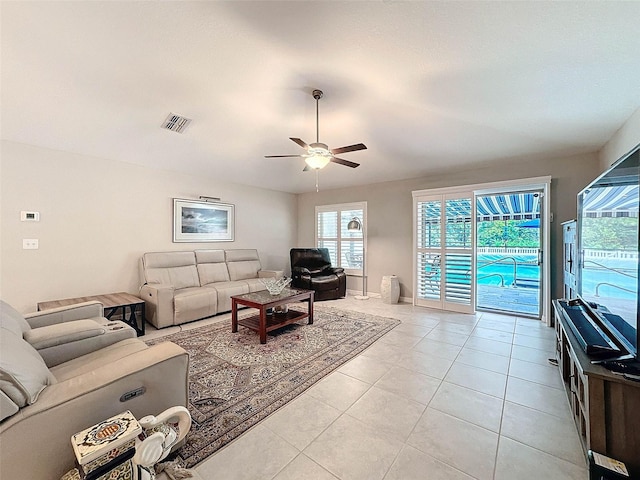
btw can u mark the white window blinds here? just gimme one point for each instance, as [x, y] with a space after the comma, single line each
[346, 248]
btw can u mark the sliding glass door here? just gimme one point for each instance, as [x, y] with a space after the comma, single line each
[509, 252]
[484, 246]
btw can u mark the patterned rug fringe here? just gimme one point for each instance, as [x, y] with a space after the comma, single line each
[174, 470]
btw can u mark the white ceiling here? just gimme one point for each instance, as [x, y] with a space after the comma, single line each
[427, 86]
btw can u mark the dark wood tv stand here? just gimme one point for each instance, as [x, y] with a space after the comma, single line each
[605, 406]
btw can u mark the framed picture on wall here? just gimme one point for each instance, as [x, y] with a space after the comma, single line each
[195, 221]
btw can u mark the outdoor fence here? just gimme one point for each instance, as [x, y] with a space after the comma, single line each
[507, 250]
[610, 254]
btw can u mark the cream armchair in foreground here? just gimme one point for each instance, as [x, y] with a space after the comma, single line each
[42, 406]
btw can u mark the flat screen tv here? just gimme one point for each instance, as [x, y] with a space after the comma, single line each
[608, 234]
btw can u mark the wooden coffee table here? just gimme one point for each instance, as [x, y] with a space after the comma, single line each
[265, 322]
[111, 303]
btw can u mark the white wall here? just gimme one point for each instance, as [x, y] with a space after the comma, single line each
[98, 216]
[390, 205]
[621, 143]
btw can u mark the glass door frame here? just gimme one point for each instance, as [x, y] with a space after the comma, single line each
[542, 183]
[541, 229]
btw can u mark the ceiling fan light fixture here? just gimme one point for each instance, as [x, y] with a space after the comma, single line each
[317, 161]
[318, 155]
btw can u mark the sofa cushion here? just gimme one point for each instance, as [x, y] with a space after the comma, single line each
[240, 255]
[11, 319]
[91, 361]
[171, 268]
[243, 270]
[209, 256]
[179, 277]
[213, 272]
[63, 333]
[224, 290]
[194, 303]
[242, 264]
[211, 266]
[168, 259]
[255, 285]
[23, 373]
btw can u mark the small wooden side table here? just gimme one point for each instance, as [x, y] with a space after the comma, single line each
[111, 303]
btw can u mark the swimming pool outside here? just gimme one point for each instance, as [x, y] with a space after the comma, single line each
[610, 277]
[504, 270]
[509, 283]
[509, 279]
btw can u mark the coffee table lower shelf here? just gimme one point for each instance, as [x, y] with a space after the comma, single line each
[273, 320]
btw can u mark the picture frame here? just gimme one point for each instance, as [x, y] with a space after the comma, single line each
[197, 221]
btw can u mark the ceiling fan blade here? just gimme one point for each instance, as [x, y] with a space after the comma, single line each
[299, 142]
[350, 148]
[342, 161]
[281, 156]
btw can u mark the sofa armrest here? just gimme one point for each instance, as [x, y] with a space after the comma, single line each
[69, 313]
[61, 333]
[85, 400]
[271, 274]
[60, 343]
[298, 271]
[159, 303]
[335, 270]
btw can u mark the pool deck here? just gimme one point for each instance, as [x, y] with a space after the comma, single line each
[512, 299]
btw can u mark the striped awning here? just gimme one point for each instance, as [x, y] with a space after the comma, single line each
[611, 201]
[514, 206]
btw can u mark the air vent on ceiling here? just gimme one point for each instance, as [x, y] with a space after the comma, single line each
[176, 123]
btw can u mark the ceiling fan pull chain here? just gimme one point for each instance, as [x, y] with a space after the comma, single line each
[317, 172]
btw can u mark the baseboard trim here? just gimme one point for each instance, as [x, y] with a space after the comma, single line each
[353, 293]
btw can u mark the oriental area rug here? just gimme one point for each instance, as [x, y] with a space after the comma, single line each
[234, 381]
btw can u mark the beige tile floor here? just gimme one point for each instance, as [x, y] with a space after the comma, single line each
[442, 396]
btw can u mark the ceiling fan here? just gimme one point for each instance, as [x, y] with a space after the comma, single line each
[319, 154]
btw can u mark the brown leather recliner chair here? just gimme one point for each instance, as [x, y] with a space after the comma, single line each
[311, 269]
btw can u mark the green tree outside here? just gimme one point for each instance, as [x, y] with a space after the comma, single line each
[507, 233]
[607, 233]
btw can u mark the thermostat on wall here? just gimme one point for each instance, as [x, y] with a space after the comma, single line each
[29, 216]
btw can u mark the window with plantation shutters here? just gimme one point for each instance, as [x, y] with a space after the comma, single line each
[429, 253]
[345, 248]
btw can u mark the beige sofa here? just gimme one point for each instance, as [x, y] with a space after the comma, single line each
[42, 405]
[183, 286]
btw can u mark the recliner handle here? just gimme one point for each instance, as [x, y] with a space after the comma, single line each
[132, 394]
